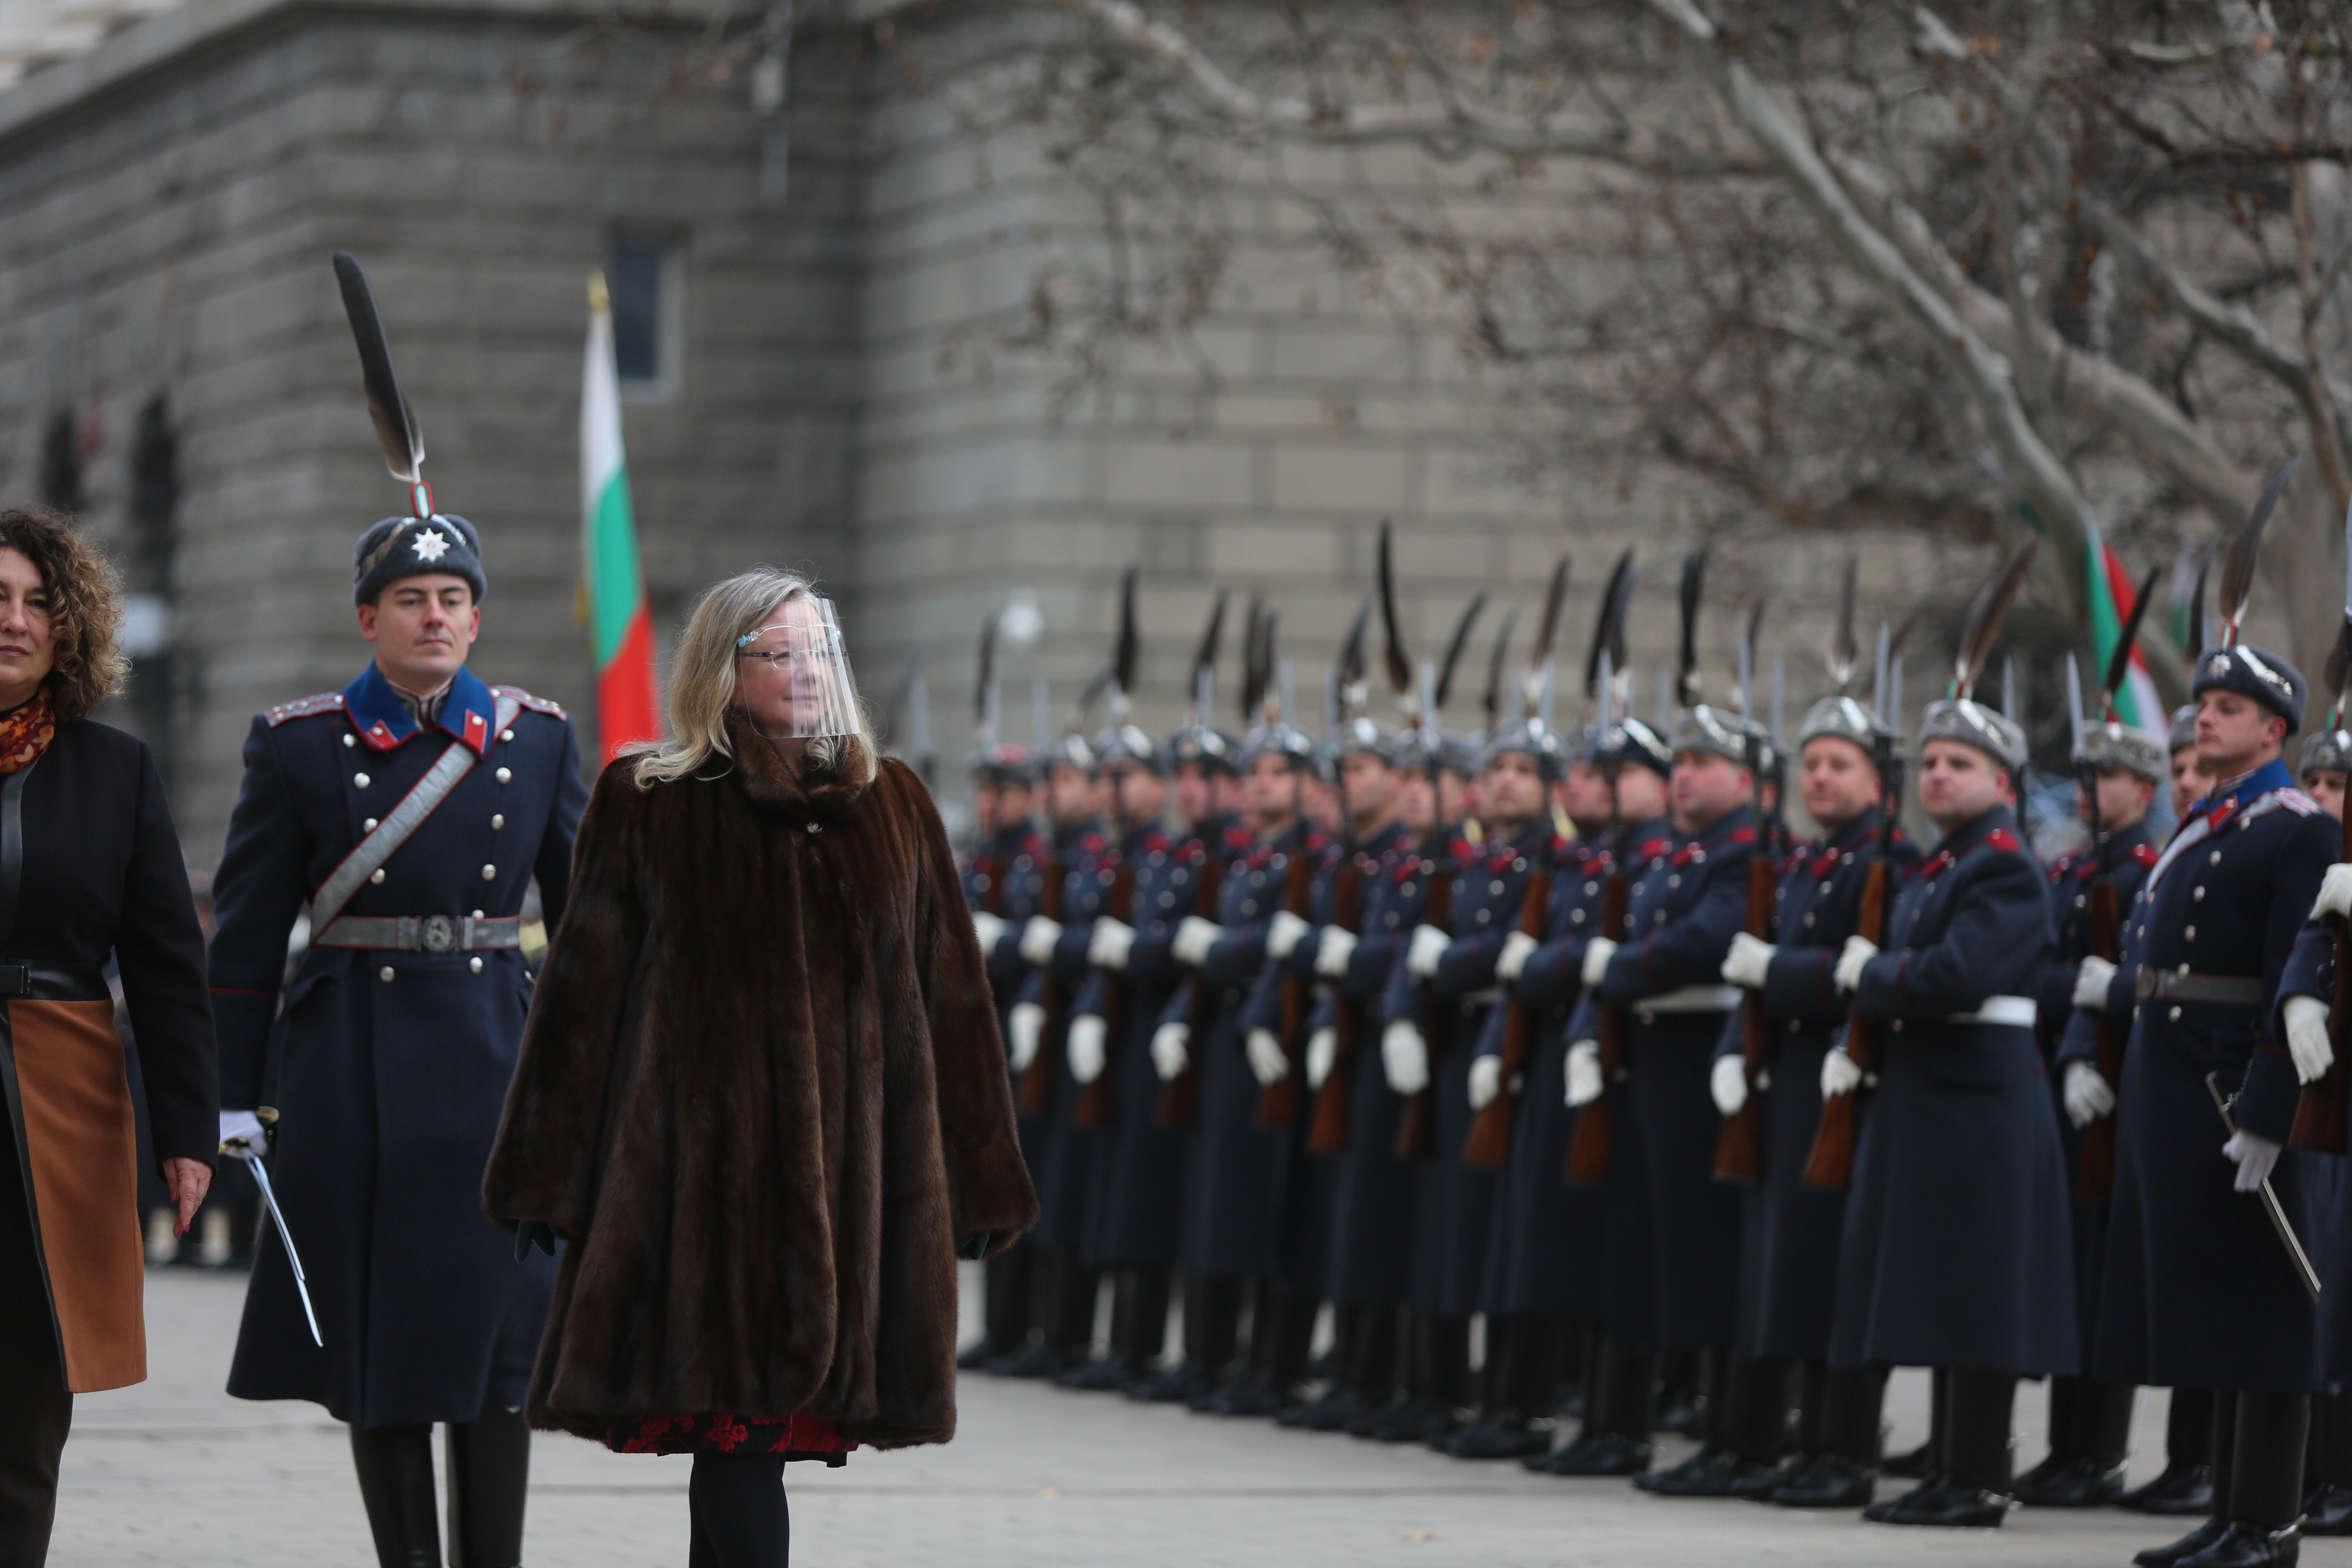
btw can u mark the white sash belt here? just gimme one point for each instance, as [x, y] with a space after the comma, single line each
[1693, 999]
[2020, 1011]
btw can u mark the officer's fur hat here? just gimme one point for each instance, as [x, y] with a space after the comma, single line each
[413, 546]
[1631, 741]
[1528, 738]
[2328, 750]
[1369, 737]
[2183, 734]
[2118, 745]
[1993, 734]
[2254, 672]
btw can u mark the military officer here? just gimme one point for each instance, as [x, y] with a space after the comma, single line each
[1956, 1251]
[2326, 758]
[1791, 1232]
[412, 810]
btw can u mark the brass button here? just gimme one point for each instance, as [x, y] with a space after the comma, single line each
[361, 780]
[497, 820]
[490, 873]
[384, 974]
[2197, 895]
[376, 875]
[2216, 859]
[503, 735]
[506, 775]
[2176, 1015]
[2188, 933]
[369, 826]
[475, 963]
[350, 739]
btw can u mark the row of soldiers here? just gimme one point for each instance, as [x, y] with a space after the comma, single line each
[1562, 1036]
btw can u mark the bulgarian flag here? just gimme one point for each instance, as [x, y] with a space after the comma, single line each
[2137, 704]
[612, 582]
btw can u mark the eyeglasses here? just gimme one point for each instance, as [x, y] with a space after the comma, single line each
[777, 658]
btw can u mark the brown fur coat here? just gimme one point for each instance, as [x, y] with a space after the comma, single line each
[761, 1096]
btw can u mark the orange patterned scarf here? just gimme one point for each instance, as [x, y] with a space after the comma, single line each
[26, 732]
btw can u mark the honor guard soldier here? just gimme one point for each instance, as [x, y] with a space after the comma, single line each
[2200, 1290]
[1665, 977]
[2326, 759]
[1791, 1232]
[2090, 1421]
[1956, 1254]
[2190, 781]
[411, 810]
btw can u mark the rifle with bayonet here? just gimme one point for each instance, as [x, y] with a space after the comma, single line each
[1739, 1149]
[1097, 1101]
[1180, 1097]
[1590, 1149]
[2323, 1115]
[1036, 1093]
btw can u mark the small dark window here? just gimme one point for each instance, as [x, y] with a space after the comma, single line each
[634, 275]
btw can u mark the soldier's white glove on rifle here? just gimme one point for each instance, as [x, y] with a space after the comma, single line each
[1728, 1083]
[1171, 1051]
[1322, 1051]
[243, 1135]
[989, 928]
[2091, 982]
[1584, 1082]
[1746, 963]
[1108, 947]
[1266, 1058]
[1194, 937]
[1089, 1046]
[1404, 1056]
[2255, 1155]
[1423, 954]
[2335, 893]
[1333, 949]
[1839, 1074]
[2306, 1037]
[1485, 1081]
[1024, 1026]
[2086, 1094]
[1518, 948]
[1037, 939]
[1597, 955]
[1283, 936]
[1859, 951]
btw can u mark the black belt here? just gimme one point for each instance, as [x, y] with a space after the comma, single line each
[53, 983]
[2224, 990]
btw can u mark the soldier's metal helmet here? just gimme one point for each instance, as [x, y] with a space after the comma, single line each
[1129, 744]
[1369, 737]
[1280, 739]
[1005, 763]
[1070, 751]
[2254, 672]
[1719, 732]
[2328, 751]
[1628, 739]
[1963, 719]
[1211, 749]
[1846, 718]
[2113, 744]
[2183, 735]
[1528, 738]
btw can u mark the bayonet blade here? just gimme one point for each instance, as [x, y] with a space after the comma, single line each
[1878, 682]
[2075, 704]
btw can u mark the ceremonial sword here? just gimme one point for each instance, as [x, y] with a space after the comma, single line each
[242, 1145]
[2294, 1252]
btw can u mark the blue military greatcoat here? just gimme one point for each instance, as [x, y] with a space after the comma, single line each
[394, 1063]
[1067, 1186]
[1004, 876]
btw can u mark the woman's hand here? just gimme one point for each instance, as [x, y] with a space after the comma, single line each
[189, 1179]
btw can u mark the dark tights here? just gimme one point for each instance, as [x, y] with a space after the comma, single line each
[739, 1517]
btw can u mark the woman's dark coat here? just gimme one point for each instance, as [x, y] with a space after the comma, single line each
[761, 1095]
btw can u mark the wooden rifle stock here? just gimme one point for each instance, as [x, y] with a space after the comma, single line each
[1037, 1083]
[1589, 1151]
[1489, 1143]
[1740, 1151]
[1329, 1133]
[1830, 1163]
[2095, 1164]
[1180, 1097]
[1277, 1103]
[1417, 1128]
[1098, 1104]
[2323, 1115]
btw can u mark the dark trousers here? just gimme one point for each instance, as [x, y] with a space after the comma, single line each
[488, 1474]
[2090, 1419]
[1969, 1438]
[35, 1408]
[2258, 1443]
[1839, 1409]
[739, 1517]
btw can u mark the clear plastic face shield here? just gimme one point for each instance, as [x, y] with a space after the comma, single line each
[792, 676]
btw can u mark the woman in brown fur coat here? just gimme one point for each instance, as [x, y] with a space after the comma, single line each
[761, 1093]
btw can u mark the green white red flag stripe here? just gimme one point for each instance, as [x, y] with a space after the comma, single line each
[613, 579]
[2137, 704]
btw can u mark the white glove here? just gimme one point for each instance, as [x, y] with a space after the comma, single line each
[2091, 983]
[1266, 1058]
[1859, 951]
[1421, 954]
[1597, 955]
[1485, 1081]
[1839, 1075]
[235, 1125]
[1744, 965]
[1107, 948]
[1404, 1056]
[1037, 939]
[1730, 1084]
[1332, 951]
[1518, 948]
[2254, 1155]
[2335, 893]
[1322, 1052]
[1171, 1051]
[989, 928]
[1024, 1028]
[1089, 1046]
[1584, 1085]
[1194, 937]
[2306, 1037]
[2086, 1094]
[1283, 937]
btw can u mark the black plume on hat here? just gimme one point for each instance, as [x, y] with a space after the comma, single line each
[413, 546]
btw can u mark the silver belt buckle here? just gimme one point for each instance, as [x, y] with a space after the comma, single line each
[2144, 988]
[437, 934]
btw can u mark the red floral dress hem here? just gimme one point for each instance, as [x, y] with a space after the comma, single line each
[799, 1436]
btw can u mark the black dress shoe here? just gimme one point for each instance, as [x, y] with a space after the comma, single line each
[1942, 1502]
[1256, 1396]
[1099, 1377]
[2182, 1490]
[2189, 1545]
[2243, 1545]
[1376, 1416]
[1683, 1415]
[1789, 1472]
[1213, 1399]
[982, 1352]
[1835, 1482]
[1177, 1385]
[1497, 1437]
[1039, 1360]
[1413, 1420]
[1910, 1467]
[2328, 1511]
[1337, 1410]
[1710, 1472]
[2080, 1482]
[1609, 1454]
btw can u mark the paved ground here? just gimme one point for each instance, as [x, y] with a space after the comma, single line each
[175, 1472]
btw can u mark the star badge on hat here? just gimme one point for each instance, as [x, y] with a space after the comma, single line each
[431, 545]
[2221, 665]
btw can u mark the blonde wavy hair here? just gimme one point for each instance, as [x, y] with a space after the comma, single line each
[702, 685]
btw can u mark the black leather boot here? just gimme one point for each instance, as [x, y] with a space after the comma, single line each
[395, 1470]
[489, 1471]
